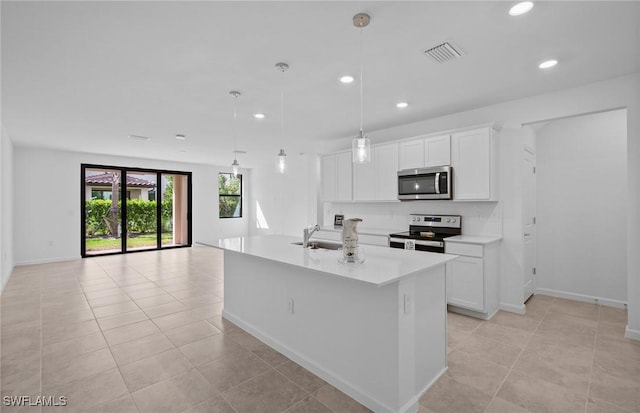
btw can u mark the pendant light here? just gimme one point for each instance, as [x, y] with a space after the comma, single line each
[235, 166]
[361, 146]
[281, 160]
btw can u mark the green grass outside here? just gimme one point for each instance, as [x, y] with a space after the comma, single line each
[137, 241]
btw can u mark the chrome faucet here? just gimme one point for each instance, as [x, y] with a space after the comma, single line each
[307, 233]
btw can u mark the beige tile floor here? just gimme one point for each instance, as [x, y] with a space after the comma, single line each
[143, 333]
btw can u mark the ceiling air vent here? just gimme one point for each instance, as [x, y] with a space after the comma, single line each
[443, 52]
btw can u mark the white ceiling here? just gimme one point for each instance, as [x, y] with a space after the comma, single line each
[84, 75]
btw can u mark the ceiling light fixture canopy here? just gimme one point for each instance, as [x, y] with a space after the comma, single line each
[281, 160]
[360, 145]
[235, 166]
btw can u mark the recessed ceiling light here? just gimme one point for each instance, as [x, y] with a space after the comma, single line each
[181, 137]
[402, 105]
[139, 138]
[347, 79]
[258, 115]
[548, 64]
[521, 8]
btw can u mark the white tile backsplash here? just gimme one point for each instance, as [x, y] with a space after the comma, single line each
[478, 218]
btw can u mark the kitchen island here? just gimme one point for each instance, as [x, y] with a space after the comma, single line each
[376, 330]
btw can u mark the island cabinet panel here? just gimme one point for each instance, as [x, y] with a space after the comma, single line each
[382, 345]
[474, 162]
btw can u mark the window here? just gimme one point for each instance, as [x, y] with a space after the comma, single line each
[230, 192]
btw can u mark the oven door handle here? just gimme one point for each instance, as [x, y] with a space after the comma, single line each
[430, 243]
[437, 182]
[418, 242]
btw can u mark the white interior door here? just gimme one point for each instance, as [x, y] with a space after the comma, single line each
[528, 219]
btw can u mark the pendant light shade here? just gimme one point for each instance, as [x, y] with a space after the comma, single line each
[361, 146]
[361, 149]
[281, 160]
[235, 166]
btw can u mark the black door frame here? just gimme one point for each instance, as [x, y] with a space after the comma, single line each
[123, 213]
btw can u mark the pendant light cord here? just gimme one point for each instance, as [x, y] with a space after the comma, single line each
[361, 84]
[282, 110]
[235, 135]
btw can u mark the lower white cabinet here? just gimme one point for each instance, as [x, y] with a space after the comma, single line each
[472, 279]
[465, 282]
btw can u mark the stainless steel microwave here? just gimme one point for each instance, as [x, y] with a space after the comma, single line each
[425, 183]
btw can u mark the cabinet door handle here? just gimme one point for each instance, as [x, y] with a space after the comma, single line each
[526, 234]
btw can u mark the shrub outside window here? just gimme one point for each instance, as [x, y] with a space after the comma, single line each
[230, 195]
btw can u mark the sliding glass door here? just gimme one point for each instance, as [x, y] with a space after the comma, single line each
[175, 196]
[102, 212]
[132, 209]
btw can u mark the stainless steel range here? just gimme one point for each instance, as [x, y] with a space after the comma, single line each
[427, 232]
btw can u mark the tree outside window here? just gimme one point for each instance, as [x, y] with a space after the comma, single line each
[230, 195]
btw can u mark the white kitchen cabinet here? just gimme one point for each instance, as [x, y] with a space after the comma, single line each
[465, 282]
[425, 152]
[364, 180]
[437, 151]
[472, 279]
[474, 162]
[411, 154]
[345, 177]
[336, 177]
[385, 166]
[329, 178]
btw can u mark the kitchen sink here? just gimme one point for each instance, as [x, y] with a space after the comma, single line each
[325, 245]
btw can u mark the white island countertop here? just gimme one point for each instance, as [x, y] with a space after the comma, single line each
[382, 266]
[474, 239]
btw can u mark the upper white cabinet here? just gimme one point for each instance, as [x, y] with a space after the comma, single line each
[364, 180]
[411, 154]
[336, 177]
[474, 162]
[425, 152]
[385, 167]
[437, 151]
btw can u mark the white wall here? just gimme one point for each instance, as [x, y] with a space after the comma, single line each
[620, 92]
[581, 207]
[47, 215]
[6, 208]
[284, 203]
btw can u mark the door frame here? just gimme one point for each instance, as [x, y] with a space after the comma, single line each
[123, 191]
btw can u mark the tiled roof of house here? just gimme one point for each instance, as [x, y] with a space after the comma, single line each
[107, 179]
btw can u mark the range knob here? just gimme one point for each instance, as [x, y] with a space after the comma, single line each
[448, 220]
[453, 220]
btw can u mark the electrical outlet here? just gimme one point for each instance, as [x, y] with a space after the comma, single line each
[291, 306]
[407, 304]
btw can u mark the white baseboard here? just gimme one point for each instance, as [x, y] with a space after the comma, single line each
[324, 374]
[5, 280]
[46, 261]
[582, 297]
[632, 334]
[470, 313]
[518, 309]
